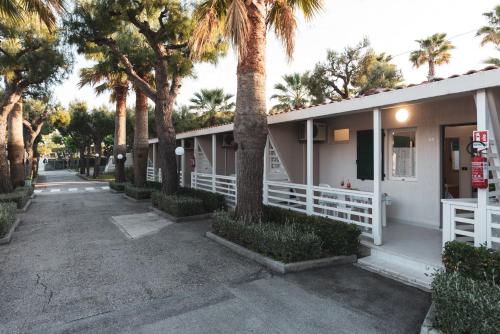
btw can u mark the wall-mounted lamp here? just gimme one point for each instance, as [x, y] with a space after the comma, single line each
[402, 115]
[120, 156]
[179, 150]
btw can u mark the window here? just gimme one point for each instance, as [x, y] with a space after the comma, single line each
[403, 154]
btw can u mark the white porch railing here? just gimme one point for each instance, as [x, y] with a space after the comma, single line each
[349, 206]
[225, 185]
[493, 227]
[152, 175]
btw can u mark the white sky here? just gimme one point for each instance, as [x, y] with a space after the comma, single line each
[391, 25]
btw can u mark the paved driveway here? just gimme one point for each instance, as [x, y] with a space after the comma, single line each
[70, 270]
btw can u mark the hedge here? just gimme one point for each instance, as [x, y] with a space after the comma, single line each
[464, 305]
[338, 238]
[178, 206]
[7, 217]
[19, 196]
[211, 201]
[282, 242]
[117, 186]
[136, 192]
[478, 263]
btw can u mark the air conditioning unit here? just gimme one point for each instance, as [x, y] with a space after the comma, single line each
[227, 140]
[319, 131]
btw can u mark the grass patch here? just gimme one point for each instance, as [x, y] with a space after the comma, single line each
[7, 217]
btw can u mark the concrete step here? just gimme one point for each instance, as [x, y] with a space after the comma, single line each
[399, 267]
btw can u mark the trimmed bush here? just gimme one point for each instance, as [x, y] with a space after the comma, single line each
[153, 185]
[465, 305]
[129, 174]
[19, 196]
[178, 206]
[478, 263]
[283, 242]
[338, 238]
[7, 217]
[211, 201]
[117, 186]
[136, 192]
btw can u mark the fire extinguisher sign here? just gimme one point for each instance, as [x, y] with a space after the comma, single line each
[480, 139]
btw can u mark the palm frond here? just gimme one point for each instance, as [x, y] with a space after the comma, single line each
[237, 26]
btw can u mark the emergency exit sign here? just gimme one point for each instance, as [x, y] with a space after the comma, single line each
[480, 139]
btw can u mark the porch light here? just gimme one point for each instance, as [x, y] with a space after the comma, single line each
[97, 155]
[179, 150]
[120, 156]
[402, 115]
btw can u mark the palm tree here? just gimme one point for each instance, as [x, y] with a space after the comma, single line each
[245, 24]
[491, 33]
[104, 76]
[434, 50]
[46, 10]
[215, 106]
[292, 94]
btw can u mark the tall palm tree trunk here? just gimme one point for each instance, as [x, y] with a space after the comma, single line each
[120, 143]
[250, 124]
[432, 69]
[97, 160]
[141, 144]
[15, 144]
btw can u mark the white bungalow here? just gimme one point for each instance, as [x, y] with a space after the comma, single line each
[395, 163]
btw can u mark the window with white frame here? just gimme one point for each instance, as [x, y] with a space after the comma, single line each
[403, 153]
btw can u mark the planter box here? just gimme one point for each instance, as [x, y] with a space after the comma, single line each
[8, 236]
[26, 206]
[429, 319]
[134, 199]
[278, 266]
[181, 219]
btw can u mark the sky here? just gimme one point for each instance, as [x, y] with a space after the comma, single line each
[392, 26]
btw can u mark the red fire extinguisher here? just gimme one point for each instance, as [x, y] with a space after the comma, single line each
[479, 165]
[479, 172]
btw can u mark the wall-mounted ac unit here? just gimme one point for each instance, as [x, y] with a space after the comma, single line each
[227, 140]
[319, 131]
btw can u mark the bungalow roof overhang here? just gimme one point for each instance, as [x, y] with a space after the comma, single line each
[436, 90]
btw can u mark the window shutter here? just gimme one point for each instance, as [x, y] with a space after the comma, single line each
[364, 158]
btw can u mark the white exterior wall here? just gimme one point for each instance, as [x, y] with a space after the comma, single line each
[415, 202]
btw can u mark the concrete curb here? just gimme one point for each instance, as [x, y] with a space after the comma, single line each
[427, 327]
[136, 200]
[278, 266]
[115, 191]
[181, 219]
[8, 237]
[25, 207]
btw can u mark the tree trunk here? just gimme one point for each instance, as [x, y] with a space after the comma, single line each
[31, 159]
[15, 145]
[97, 160]
[87, 162]
[141, 144]
[432, 69]
[7, 102]
[250, 123]
[165, 129]
[120, 143]
[81, 162]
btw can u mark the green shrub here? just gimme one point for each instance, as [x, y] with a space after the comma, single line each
[153, 185]
[211, 201]
[465, 305]
[129, 174]
[177, 205]
[478, 263]
[136, 192]
[283, 242]
[19, 196]
[117, 186]
[338, 238]
[7, 217]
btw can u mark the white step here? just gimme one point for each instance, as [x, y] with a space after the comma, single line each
[399, 267]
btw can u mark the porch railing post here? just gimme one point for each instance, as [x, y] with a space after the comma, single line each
[377, 178]
[480, 230]
[310, 165]
[154, 162]
[265, 191]
[447, 228]
[183, 164]
[214, 161]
